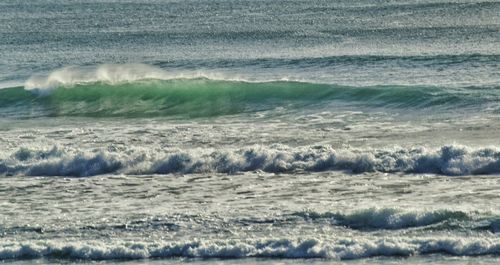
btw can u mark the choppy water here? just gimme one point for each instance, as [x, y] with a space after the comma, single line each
[250, 132]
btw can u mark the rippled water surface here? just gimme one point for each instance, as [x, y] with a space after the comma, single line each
[249, 132]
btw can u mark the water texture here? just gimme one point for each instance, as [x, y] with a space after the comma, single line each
[249, 132]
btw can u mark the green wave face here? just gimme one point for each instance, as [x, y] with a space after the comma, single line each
[206, 98]
[191, 98]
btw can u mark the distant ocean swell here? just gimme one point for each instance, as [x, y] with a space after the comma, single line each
[57, 161]
[340, 248]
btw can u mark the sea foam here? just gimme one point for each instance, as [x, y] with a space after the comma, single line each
[340, 248]
[57, 161]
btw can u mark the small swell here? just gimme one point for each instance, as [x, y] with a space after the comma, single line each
[390, 218]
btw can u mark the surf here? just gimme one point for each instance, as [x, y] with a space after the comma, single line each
[146, 91]
[450, 160]
[340, 248]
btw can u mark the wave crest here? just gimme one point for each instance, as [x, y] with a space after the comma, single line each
[112, 74]
[106, 73]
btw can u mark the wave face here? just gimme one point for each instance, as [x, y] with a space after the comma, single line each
[447, 160]
[144, 91]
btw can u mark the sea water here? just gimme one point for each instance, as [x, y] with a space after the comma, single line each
[250, 132]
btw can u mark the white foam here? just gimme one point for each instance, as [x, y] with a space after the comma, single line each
[446, 160]
[340, 248]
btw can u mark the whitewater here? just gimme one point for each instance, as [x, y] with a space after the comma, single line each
[249, 132]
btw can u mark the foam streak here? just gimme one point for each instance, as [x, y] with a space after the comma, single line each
[446, 160]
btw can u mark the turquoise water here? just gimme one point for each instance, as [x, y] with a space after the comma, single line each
[249, 132]
[203, 97]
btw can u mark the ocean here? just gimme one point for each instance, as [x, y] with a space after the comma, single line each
[249, 132]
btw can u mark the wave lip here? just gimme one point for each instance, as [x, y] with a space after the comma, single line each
[106, 73]
[114, 74]
[342, 248]
[449, 160]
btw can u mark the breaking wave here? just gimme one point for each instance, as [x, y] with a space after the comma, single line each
[143, 91]
[446, 160]
[341, 248]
